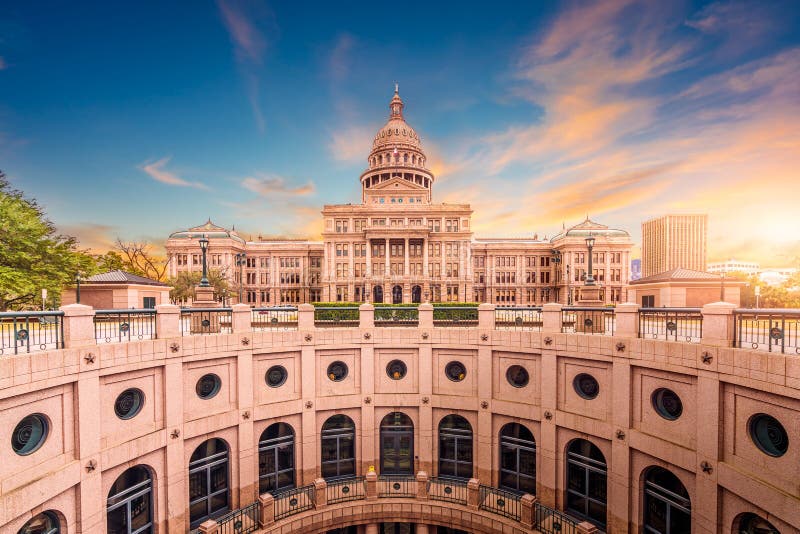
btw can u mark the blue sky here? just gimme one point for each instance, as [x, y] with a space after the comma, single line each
[140, 119]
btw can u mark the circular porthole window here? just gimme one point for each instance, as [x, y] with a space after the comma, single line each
[129, 403]
[396, 369]
[768, 434]
[667, 403]
[517, 376]
[586, 386]
[208, 386]
[337, 371]
[455, 371]
[276, 376]
[29, 434]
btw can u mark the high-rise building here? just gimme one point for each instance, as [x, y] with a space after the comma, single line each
[674, 241]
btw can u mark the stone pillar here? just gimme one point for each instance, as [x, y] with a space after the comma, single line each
[706, 504]
[78, 326]
[422, 528]
[422, 486]
[718, 324]
[425, 317]
[425, 272]
[366, 316]
[320, 493]
[369, 261]
[405, 258]
[240, 318]
[486, 316]
[371, 492]
[372, 528]
[473, 494]
[586, 528]
[527, 512]
[90, 506]
[266, 510]
[626, 317]
[387, 264]
[305, 317]
[209, 527]
[176, 469]
[551, 317]
[168, 321]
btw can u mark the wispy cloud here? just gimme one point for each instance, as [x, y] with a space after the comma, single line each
[157, 171]
[3, 64]
[269, 185]
[92, 236]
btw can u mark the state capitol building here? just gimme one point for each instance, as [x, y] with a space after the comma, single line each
[399, 246]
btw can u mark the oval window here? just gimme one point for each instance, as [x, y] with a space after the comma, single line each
[337, 371]
[208, 386]
[276, 376]
[768, 435]
[396, 369]
[667, 403]
[29, 434]
[129, 403]
[586, 386]
[455, 371]
[517, 376]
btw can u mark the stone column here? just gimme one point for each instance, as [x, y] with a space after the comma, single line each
[424, 449]
[369, 259]
[626, 317]
[706, 504]
[473, 494]
[405, 258]
[551, 317]
[209, 527]
[240, 318]
[718, 324]
[320, 493]
[422, 486]
[527, 512]
[388, 265]
[176, 469]
[371, 492]
[168, 317]
[425, 272]
[422, 528]
[486, 317]
[78, 326]
[546, 445]
[266, 510]
[305, 317]
[366, 316]
[372, 528]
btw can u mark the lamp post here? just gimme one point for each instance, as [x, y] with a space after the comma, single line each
[204, 248]
[722, 287]
[241, 259]
[569, 290]
[78, 280]
[590, 273]
[557, 260]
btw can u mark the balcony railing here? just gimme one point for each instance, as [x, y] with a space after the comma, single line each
[345, 489]
[500, 501]
[397, 486]
[448, 490]
[587, 320]
[274, 318]
[116, 326]
[241, 521]
[293, 501]
[198, 321]
[672, 324]
[396, 316]
[455, 316]
[336, 316]
[549, 521]
[27, 331]
[518, 318]
[770, 330]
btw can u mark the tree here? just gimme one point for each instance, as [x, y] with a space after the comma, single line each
[184, 284]
[33, 255]
[138, 258]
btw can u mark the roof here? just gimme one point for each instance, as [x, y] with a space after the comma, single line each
[209, 230]
[678, 274]
[589, 227]
[121, 277]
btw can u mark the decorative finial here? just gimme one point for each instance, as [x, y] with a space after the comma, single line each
[396, 88]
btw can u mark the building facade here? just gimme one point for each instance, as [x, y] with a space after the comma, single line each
[399, 246]
[674, 241]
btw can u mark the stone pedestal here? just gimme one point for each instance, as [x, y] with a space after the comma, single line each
[204, 323]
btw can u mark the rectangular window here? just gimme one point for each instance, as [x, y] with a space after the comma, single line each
[316, 262]
[648, 301]
[148, 302]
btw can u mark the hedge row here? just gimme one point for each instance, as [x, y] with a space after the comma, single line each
[442, 311]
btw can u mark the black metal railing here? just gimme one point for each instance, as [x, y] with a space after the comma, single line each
[274, 318]
[293, 501]
[518, 318]
[549, 521]
[455, 316]
[396, 316]
[239, 521]
[675, 324]
[397, 486]
[206, 321]
[767, 329]
[31, 331]
[448, 490]
[112, 326]
[336, 316]
[587, 320]
[345, 489]
[500, 501]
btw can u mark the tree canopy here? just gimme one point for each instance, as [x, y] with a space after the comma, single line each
[184, 284]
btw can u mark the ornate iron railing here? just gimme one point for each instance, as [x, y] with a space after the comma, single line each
[31, 331]
[396, 316]
[672, 324]
[518, 318]
[500, 501]
[448, 490]
[767, 329]
[112, 326]
[293, 501]
[239, 521]
[196, 321]
[274, 318]
[587, 320]
[455, 316]
[397, 486]
[345, 489]
[549, 521]
[336, 316]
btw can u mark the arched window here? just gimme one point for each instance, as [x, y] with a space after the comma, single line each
[405, 158]
[586, 482]
[517, 459]
[44, 523]
[129, 508]
[276, 458]
[750, 523]
[397, 295]
[397, 444]
[667, 509]
[380, 159]
[208, 482]
[338, 447]
[455, 447]
[413, 159]
[416, 294]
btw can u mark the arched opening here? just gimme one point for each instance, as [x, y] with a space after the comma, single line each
[397, 444]
[43, 523]
[338, 447]
[397, 295]
[517, 459]
[750, 523]
[377, 294]
[667, 508]
[416, 294]
[586, 482]
[208, 482]
[455, 447]
[129, 507]
[276, 458]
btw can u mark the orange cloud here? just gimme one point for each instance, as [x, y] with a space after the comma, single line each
[157, 172]
[266, 185]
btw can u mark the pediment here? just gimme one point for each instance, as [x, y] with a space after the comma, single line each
[397, 183]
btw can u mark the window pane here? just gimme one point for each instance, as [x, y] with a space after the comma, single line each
[198, 510]
[197, 485]
[464, 450]
[679, 521]
[117, 521]
[508, 459]
[447, 469]
[286, 457]
[508, 480]
[597, 486]
[576, 502]
[219, 477]
[219, 502]
[597, 512]
[140, 511]
[329, 470]
[447, 448]
[576, 479]
[266, 462]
